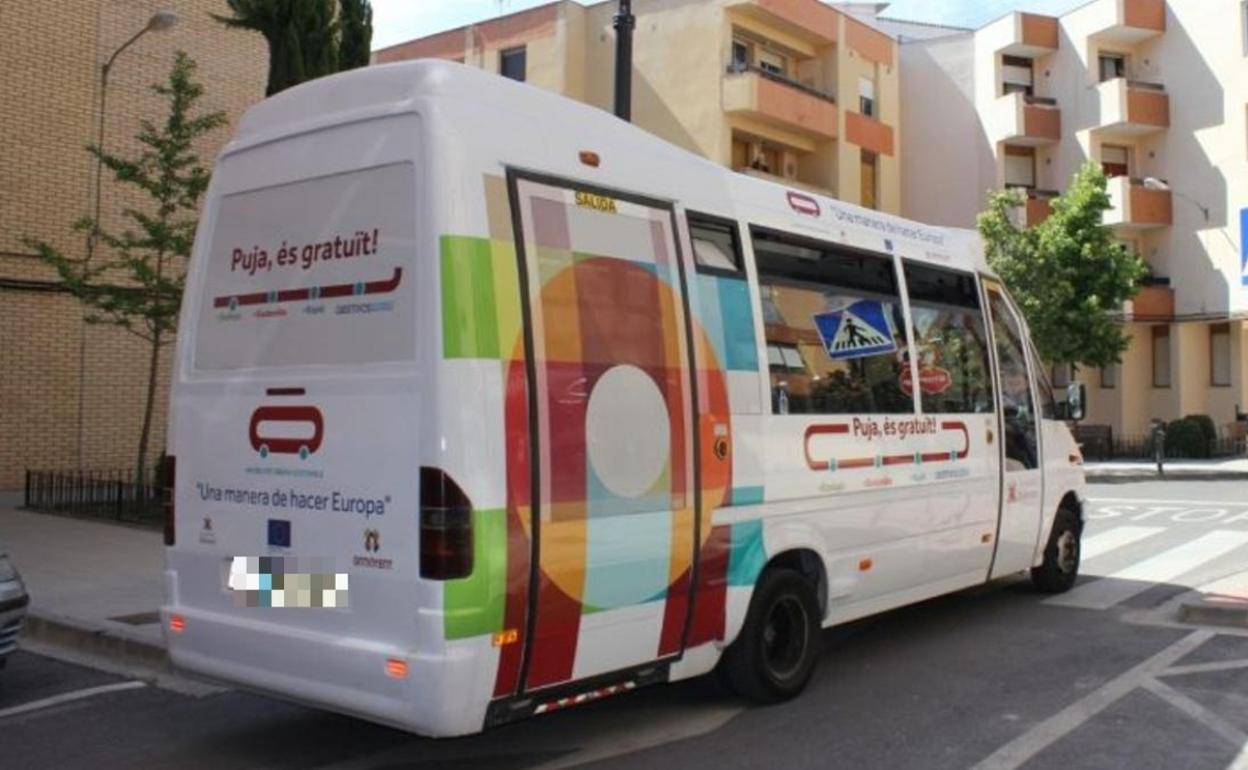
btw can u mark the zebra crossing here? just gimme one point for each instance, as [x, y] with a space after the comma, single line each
[1121, 561]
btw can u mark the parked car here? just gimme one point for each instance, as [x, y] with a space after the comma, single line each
[13, 601]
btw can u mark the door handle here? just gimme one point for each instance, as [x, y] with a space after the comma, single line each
[991, 435]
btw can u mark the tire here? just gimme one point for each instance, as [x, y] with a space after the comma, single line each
[775, 654]
[1060, 568]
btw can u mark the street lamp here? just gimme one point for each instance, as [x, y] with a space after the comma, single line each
[1153, 183]
[158, 22]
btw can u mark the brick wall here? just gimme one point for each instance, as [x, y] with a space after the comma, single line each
[51, 61]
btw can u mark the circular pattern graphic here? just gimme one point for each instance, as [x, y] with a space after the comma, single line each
[627, 430]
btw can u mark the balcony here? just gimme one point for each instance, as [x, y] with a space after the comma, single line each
[1137, 206]
[868, 133]
[1035, 209]
[778, 101]
[807, 20]
[1028, 120]
[1127, 22]
[1132, 108]
[1155, 302]
[1027, 35]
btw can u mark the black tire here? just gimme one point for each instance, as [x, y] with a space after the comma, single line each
[775, 654]
[1060, 568]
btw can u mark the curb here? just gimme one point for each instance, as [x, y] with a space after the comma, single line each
[83, 637]
[1215, 611]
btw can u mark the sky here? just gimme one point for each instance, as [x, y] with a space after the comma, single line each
[395, 21]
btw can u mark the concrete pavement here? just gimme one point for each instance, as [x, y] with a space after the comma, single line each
[1123, 471]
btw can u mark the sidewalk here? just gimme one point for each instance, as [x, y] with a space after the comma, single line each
[1120, 471]
[93, 586]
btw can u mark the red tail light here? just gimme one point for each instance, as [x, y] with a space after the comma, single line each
[445, 527]
[168, 471]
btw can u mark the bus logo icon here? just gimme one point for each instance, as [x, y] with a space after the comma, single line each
[266, 418]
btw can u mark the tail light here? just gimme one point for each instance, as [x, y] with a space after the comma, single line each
[168, 471]
[445, 527]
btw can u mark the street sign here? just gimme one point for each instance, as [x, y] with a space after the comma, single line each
[858, 330]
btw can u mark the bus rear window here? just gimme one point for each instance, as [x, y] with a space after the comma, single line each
[315, 272]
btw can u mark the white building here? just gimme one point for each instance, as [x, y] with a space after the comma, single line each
[1155, 91]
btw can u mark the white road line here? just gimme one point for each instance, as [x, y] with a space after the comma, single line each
[1117, 537]
[67, 697]
[1139, 577]
[1232, 734]
[1018, 751]
[1201, 503]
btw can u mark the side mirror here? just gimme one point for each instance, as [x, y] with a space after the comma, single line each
[1076, 401]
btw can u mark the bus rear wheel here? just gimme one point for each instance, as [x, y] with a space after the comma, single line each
[775, 654]
[1060, 568]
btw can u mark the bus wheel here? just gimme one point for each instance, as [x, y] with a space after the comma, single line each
[775, 654]
[1060, 568]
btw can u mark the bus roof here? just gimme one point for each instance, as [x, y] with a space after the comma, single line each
[460, 93]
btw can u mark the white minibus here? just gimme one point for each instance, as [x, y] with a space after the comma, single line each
[487, 404]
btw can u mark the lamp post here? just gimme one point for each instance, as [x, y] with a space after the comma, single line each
[158, 22]
[624, 22]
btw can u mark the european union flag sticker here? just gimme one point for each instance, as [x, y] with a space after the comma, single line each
[279, 533]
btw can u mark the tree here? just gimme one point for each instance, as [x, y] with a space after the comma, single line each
[140, 289]
[302, 37]
[1069, 275]
[355, 18]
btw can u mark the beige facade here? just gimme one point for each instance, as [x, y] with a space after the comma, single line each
[51, 59]
[769, 87]
[1152, 90]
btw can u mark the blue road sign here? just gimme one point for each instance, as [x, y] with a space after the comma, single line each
[859, 330]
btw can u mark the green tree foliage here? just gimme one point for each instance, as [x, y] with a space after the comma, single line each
[302, 37]
[140, 287]
[355, 17]
[1069, 275]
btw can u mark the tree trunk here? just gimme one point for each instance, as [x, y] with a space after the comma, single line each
[153, 367]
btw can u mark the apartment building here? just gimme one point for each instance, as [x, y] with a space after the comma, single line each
[1155, 92]
[788, 89]
[72, 392]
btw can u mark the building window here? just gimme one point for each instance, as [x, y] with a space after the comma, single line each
[1020, 167]
[511, 63]
[1016, 75]
[1115, 160]
[1060, 375]
[1161, 356]
[869, 182]
[1112, 66]
[1220, 355]
[866, 96]
[770, 61]
[840, 311]
[716, 247]
[740, 56]
[1109, 377]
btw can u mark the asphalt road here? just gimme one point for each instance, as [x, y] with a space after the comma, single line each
[996, 677]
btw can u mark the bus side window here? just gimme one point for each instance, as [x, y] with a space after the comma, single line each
[951, 340]
[834, 327]
[716, 245]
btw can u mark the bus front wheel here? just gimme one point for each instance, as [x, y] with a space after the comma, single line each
[775, 654]
[1060, 568]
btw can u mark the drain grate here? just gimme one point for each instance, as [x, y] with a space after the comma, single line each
[138, 619]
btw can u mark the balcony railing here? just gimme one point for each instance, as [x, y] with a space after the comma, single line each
[1127, 22]
[1137, 205]
[737, 68]
[773, 98]
[1132, 107]
[1028, 120]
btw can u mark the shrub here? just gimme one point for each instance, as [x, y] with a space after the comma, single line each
[1207, 428]
[1186, 438]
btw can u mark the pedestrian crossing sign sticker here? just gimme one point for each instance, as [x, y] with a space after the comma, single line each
[857, 330]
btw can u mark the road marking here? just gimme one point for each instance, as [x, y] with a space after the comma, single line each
[1232, 734]
[1117, 537]
[67, 697]
[1201, 503]
[1201, 668]
[1024, 747]
[1107, 591]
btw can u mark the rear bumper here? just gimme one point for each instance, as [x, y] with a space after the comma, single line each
[342, 674]
[12, 611]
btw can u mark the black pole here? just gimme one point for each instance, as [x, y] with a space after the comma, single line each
[624, 23]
